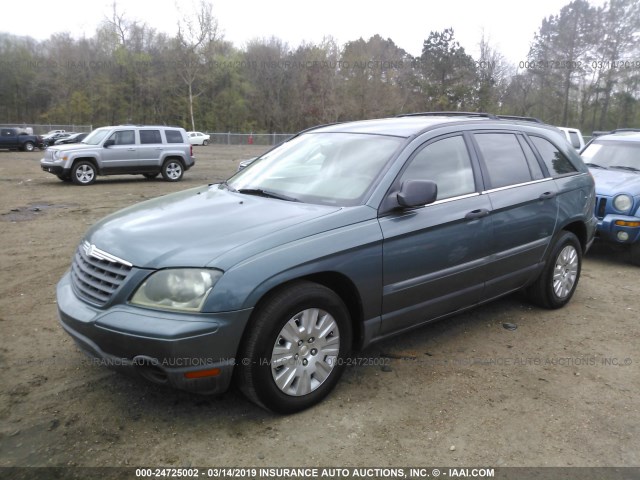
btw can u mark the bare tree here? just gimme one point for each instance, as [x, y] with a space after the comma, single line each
[196, 39]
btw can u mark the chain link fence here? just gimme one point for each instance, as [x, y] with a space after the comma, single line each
[247, 138]
[41, 129]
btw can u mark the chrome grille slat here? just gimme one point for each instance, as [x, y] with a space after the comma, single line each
[100, 273]
[96, 275]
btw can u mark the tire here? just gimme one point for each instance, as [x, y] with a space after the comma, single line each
[83, 173]
[172, 170]
[635, 254]
[28, 147]
[205, 143]
[558, 281]
[286, 366]
[150, 176]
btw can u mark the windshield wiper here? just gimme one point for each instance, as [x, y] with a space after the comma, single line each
[266, 193]
[624, 167]
[595, 165]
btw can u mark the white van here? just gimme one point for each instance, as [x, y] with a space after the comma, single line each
[574, 137]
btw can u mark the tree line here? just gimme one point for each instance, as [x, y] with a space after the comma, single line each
[582, 70]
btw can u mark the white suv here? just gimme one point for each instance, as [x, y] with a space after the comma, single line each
[124, 149]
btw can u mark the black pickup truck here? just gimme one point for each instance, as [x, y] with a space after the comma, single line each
[18, 139]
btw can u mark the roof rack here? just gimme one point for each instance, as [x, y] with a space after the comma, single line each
[517, 117]
[598, 133]
[449, 114]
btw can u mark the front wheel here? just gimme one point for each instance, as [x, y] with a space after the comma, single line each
[83, 173]
[558, 281]
[296, 348]
[172, 170]
[205, 143]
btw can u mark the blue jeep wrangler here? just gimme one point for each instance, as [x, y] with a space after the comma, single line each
[614, 161]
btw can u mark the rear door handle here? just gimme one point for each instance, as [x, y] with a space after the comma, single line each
[547, 195]
[481, 212]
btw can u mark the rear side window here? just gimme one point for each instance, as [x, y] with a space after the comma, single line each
[554, 159]
[504, 159]
[150, 136]
[174, 136]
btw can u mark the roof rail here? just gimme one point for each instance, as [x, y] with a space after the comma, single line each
[599, 133]
[619, 130]
[449, 114]
[517, 117]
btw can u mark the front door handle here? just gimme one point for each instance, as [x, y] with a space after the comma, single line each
[474, 214]
[547, 195]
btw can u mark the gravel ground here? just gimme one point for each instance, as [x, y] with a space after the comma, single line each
[561, 389]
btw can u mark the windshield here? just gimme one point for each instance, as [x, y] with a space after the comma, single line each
[324, 168]
[610, 153]
[95, 137]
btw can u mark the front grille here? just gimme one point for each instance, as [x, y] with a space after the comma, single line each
[96, 275]
[601, 206]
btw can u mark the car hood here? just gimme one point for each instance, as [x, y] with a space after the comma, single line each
[613, 182]
[73, 146]
[195, 227]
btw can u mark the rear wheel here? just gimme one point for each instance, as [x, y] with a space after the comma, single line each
[558, 281]
[172, 170]
[83, 173]
[28, 147]
[296, 348]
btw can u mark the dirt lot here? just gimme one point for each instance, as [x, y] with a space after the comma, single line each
[560, 390]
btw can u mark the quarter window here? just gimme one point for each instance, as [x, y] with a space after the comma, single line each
[504, 159]
[173, 136]
[556, 162]
[445, 162]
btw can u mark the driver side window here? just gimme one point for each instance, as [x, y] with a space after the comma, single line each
[445, 162]
[123, 137]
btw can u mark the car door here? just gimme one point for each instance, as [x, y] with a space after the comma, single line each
[524, 208]
[149, 150]
[434, 257]
[122, 155]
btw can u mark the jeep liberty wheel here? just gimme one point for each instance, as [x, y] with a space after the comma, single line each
[295, 349]
[83, 173]
[559, 278]
[172, 170]
[28, 147]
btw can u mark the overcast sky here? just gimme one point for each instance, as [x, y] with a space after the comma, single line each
[509, 24]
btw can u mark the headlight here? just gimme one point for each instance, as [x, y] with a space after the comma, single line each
[176, 289]
[623, 203]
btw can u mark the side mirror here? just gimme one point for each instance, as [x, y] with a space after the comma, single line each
[109, 143]
[415, 193]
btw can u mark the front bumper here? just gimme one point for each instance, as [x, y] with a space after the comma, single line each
[609, 231]
[55, 169]
[170, 348]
